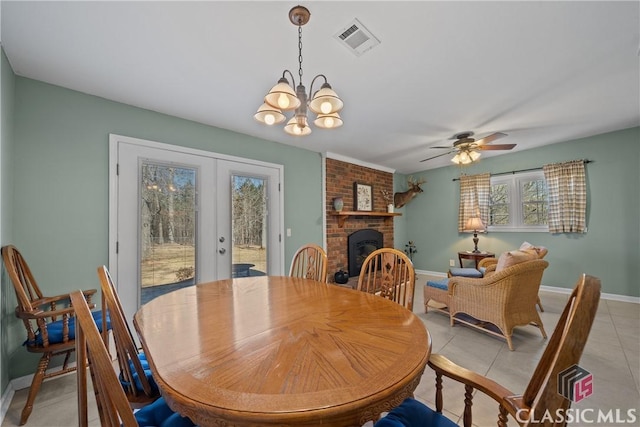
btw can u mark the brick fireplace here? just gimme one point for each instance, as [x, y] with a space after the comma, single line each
[340, 177]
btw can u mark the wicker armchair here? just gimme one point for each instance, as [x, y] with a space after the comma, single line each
[505, 299]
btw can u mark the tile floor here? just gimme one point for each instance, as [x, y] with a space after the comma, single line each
[612, 355]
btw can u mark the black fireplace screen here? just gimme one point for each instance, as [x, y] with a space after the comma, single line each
[360, 245]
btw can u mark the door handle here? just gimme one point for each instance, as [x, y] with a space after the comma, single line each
[222, 251]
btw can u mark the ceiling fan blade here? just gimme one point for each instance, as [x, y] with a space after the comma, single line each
[496, 147]
[439, 155]
[492, 137]
[448, 148]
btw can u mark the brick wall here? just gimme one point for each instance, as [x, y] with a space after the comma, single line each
[340, 178]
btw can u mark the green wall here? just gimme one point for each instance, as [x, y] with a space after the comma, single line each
[609, 250]
[7, 95]
[60, 175]
[54, 183]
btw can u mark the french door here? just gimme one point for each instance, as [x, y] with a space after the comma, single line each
[180, 216]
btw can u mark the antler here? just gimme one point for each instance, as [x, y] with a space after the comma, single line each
[412, 181]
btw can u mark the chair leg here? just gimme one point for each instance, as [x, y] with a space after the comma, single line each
[509, 343]
[542, 331]
[38, 377]
[540, 305]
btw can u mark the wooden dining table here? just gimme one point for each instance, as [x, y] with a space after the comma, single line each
[265, 350]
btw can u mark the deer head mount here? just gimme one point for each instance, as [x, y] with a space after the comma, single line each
[401, 199]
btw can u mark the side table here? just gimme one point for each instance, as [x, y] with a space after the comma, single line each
[475, 256]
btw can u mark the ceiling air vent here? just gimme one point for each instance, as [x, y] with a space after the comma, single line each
[356, 38]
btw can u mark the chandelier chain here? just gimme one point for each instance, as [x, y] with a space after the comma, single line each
[300, 53]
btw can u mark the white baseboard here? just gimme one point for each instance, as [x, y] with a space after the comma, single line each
[7, 397]
[610, 297]
[432, 273]
[22, 383]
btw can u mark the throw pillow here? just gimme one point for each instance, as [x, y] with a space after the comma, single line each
[507, 259]
[540, 250]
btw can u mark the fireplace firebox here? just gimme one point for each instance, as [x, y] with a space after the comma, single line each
[360, 244]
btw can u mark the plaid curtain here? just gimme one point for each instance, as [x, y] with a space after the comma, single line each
[567, 188]
[474, 198]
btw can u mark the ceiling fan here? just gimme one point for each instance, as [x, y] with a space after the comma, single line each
[468, 149]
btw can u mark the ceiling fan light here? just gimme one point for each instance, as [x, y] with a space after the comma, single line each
[456, 159]
[474, 155]
[293, 128]
[328, 121]
[464, 157]
[325, 101]
[269, 115]
[282, 96]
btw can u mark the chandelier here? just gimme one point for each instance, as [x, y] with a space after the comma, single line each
[325, 103]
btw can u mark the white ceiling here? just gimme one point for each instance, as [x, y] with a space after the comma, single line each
[543, 72]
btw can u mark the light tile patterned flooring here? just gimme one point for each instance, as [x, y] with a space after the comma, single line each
[612, 355]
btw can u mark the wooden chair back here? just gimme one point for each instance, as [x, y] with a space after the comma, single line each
[126, 348]
[542, 403]
[27, 291]
[113, 406]
[41, 315]
[564, 350]
[389, 273]
[310, 262]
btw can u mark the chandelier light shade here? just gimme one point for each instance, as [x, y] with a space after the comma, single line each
[465, 157]
[325, 102]
[269, 115]
[296, 129]
[475, 224]
[328, 121]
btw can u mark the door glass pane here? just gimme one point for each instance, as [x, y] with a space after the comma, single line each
[167, 229]
[249, 226]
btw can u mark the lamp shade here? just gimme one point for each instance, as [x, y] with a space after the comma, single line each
[282, 96]
[328, 121]
[292, 127]
[325, 101]
[474, 155]
[269, 115]
[474, 224]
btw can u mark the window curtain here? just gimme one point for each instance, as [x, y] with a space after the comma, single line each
[567, 189]
[475, 191]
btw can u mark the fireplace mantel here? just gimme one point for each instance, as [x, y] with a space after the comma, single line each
[344, 215]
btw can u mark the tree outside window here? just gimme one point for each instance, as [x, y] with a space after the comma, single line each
[518, 202]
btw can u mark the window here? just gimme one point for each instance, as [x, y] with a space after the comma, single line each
[518, 202]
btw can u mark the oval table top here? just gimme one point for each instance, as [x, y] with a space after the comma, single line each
[281, 351]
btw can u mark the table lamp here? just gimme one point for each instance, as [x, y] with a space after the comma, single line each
[475, 224]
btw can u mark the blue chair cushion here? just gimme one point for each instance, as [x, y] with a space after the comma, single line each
[466, 272]
[136, 377]
[440, 284]
[412, 413]
[54, 329]
[159, 414]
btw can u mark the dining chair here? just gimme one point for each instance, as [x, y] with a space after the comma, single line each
[310, 262]
[113, 407]
[48, 321]
[548, 395]
[135, 374]
[389, 273]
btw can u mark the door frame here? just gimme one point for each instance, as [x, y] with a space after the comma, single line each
[114, 139]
